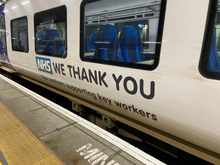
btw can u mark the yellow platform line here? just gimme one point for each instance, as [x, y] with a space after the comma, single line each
[19, 146]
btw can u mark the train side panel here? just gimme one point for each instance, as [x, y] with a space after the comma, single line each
[182, 102]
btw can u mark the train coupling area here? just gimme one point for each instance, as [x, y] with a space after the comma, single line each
[34, 130]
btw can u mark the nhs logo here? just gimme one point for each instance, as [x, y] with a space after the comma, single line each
[44, 64]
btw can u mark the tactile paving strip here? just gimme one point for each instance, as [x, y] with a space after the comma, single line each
[19, 146]
[2, 159]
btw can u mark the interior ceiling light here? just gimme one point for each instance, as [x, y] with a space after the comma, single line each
[14, 7]
[25, 2]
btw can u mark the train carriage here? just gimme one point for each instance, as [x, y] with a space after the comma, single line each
[151, 64]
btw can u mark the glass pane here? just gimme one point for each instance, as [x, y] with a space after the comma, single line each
[50, 32]
[214, 59]
[121, 30]
[19, 32]
[141, 27]
[2, 33]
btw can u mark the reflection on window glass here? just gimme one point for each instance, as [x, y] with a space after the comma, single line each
[19, 31]
[2, 33]
[141, 27]
[50, 32]
[121, 31]
[214, 59]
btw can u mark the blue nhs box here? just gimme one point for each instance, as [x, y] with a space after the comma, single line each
[44, 64]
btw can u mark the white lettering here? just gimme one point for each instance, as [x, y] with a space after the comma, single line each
[95, 156]
[103, 158]
[39, 64]
[91, 153]
[44, 65]
[48, 66]
[111, 162]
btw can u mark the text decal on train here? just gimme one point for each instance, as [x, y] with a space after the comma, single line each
[129, 84]
[44, 64]
[97, 77]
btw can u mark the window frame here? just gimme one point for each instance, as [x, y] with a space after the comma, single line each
[124, 64]
[27, 33]
[66, 35]
[204, 58]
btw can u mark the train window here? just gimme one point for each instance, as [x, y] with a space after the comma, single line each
[51, 32]
[122, 32]
[19, 34]
[210, 59]
[2, 33]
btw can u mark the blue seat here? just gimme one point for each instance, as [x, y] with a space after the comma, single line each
[93, 40]
[129, 45]
[51, 33]
[140, 47]
[108, 47]
[40, 37]
[20, 46]
[54, 43]
[214, 61]
[86, 45]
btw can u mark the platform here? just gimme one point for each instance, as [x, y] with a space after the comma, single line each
[34, 130]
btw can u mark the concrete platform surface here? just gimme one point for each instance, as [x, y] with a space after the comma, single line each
[70, 138]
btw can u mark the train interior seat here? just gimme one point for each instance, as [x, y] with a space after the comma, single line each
[23, 42]
[20, 46]
[214, 61]
[140, 47]
[129, 45]
[86, 44]
[54, 43]
[40, 37]
[98, 52]
[93, 40]
[108, 47]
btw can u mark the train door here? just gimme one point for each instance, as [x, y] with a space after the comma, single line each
[3, 44]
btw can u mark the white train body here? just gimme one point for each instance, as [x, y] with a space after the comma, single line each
[174, 97]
